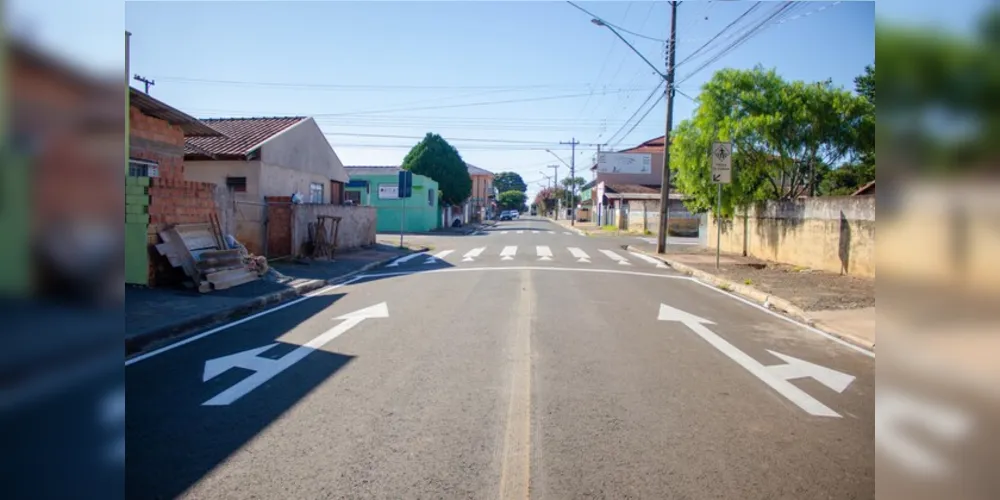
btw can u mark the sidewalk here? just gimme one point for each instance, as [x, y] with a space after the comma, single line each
[156, 314]
[592, 229]
[843, 306]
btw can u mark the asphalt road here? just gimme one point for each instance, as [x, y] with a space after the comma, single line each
[544, 375]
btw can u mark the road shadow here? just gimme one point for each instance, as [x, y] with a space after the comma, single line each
[173, 441]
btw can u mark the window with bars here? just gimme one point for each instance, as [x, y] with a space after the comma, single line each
[352, 197]
[143, 168]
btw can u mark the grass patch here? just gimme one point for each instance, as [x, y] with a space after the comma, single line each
[725, 287]
[748, 282]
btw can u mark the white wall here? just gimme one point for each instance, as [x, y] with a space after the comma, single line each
[283, 181]
[303, 147]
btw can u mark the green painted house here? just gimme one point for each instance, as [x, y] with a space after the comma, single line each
[376, 186]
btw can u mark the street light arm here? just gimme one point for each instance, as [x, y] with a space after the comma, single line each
[620, 37]
[558, 158]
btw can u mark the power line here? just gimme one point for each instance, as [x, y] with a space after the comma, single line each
[648, 98]
[717, 35]
[641, 119]
[387, 136]
[619, 28]
[366, 87]
[472, 104]
[740, 41]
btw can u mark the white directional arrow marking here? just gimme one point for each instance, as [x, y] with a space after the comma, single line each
[796, 368]
[544, 253]
[774, 376]
[615, 257]
[265, 369]
[405, 258]
[248, 359]
[508, 253]
[659, 263]
[472, 254]
[579, 255]
[908, 428]
[438, 256]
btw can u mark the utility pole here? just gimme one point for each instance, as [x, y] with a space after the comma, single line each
[661, 238]
[572, 180]
[146, 81]
[555, 186]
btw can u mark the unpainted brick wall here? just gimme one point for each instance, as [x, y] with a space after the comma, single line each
[172, 200]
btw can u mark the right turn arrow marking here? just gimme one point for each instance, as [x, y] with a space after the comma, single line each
[776, 376]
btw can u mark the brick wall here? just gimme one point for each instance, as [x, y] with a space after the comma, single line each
[172, 200]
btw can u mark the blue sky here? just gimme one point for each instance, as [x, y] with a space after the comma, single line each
[381, 70]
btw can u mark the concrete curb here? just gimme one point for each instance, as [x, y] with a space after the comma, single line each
[569, 228]
[762, 298]
[140, 341]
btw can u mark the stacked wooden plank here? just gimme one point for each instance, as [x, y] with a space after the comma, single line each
[200, 250]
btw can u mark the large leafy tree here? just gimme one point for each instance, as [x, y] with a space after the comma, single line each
[571, 182]
[437, 159]
[511, 200]
[509, 181]
[864, 84]
[783, 133]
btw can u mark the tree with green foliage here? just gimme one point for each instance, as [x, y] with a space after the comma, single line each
[511, 200]
[782, 134]
[570, 183]
[509, 181]
[864, 84]
[440, 161]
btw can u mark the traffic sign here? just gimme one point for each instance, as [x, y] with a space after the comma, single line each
[405, 188]
[722, 162]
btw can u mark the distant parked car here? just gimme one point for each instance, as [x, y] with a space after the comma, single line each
[506, 215]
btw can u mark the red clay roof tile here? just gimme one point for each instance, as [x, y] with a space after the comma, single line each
[242, 135]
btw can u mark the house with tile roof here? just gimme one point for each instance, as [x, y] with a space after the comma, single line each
[260, 158]
[482, 201]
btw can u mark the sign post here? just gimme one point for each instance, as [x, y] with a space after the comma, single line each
[404, 190]
[722, 173]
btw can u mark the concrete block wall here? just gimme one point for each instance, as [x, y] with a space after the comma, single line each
[357, 225]
[835, 234]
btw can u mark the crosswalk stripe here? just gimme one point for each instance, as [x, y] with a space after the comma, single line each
[567, 233]
[472, 254]
[504, 232]
[405, 258]
[508, 253]
[534, 232]
[544, 253]
[659, 263]
[615, 257]
[579, 255]
[438, 256]
[520, 232]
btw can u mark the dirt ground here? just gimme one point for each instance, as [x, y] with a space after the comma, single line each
[809, 289]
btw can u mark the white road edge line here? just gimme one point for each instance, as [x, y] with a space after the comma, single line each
[227, 326]
[844, 343]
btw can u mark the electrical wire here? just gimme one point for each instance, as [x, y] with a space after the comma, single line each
[648, 98]
[717, 35]
[641, 119]
[619, 28]
[757, 29]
